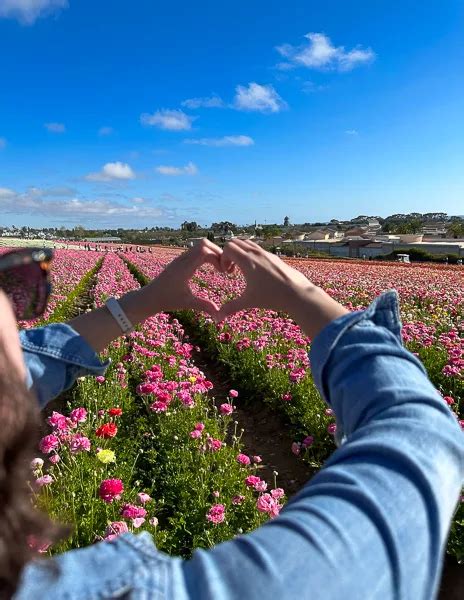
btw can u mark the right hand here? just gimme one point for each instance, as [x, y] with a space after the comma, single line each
[273, 284]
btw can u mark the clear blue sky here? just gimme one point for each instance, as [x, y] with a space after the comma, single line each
[144, 113]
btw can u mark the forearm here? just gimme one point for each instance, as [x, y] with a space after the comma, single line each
[374, 521]
[98, 327]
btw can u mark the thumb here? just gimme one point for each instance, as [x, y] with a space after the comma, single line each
[203, 305]
[231, 307]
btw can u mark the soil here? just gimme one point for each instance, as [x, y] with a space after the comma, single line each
[266, 435]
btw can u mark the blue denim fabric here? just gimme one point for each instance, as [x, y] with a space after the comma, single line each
[55, 357]
[371, 524]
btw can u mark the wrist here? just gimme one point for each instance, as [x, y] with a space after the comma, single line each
[313, 309]
[138, 305]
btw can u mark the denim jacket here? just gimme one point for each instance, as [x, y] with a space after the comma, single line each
[372, 523]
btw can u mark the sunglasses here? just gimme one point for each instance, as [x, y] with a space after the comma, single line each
[24, 277]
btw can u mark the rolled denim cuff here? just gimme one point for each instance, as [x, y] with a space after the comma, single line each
[55, 356]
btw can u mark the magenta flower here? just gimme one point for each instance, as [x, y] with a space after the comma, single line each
[79, 415]
[131, 511]
[213, 444]
[58, 421]
[233, 393]
[195, 434]
[79, 443]
[49, 443]
[243, 459]
[226, 409]
[308, 441]
[110, 489]
[332, 428]
[216, 514]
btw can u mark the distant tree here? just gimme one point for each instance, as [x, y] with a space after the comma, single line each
[286, 222]
[271, 231]
[224, 227]
[189, 226]
[210, 236]
[456, 230]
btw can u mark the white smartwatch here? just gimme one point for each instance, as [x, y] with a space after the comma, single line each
[119, 315]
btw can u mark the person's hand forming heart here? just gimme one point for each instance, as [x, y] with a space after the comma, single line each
[170, 290]
[273, 284]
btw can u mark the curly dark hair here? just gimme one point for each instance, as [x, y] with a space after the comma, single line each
[19, 435]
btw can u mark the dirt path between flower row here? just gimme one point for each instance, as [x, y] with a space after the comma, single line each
[266, 435]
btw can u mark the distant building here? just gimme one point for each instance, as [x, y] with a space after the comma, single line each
[102, 240]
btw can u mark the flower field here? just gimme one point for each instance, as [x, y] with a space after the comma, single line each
[147, 447]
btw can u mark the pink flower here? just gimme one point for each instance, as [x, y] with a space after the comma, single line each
[286, 397]
[216, 494]
[79, 443]
[308, 441]
[213, 444]
[199, 426]
[138, 522]
[237, 500]
[114, 529]
[277, 493]
[143, 497]
[257, 459]
[110, 489]
[329, 411]
[243, 459]
[226, 409]
[267, 504]
[233, 393]
[131, 511]
[79, 415]
[153, 521]
[54, 459]
[49, 443]
[260, 486]
[216, 514]
[159, 407]
[100, 379]
[44, 480]
[296, 448]
[195, 434]
[252, 480]
[58, 421]
[332, 428]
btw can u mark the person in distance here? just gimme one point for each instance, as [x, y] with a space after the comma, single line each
[372, 523]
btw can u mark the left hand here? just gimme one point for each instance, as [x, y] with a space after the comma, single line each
[170, 290]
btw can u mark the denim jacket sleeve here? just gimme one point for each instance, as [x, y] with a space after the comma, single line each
[372, 523]
[55, 356]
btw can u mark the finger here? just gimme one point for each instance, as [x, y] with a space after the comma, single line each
[193, 259]
[233, 306]
[203, 305]
[234, 253]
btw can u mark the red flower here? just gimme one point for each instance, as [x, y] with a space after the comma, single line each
[107, 430]
[115, 412]
[110, 489]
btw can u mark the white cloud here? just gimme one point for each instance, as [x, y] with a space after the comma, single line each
[2, 143]
[55, 127]
[213, 101]
[351, 132]
[227, 140]
[189, 169]
[105, 131]
[256, 97]
[28, 11]
[173, 120]
[6, 193]
[320, 53]
[77, 209]
[113, 172]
